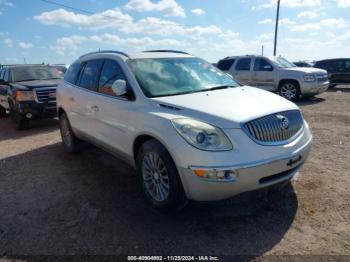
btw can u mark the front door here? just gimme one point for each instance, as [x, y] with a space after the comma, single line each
[112, 113]
[263, 74]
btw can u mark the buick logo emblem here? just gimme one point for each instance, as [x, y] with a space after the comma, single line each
[284, 122]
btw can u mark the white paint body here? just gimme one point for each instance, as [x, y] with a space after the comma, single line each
[114, 124]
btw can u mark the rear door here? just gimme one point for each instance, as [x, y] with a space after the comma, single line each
[242, 71]
[81, 99]
[263, 74]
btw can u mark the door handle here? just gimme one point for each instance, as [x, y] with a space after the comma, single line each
[94, 108]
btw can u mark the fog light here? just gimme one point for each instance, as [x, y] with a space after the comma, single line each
[29, 115]
[220, 175]
[230, 175]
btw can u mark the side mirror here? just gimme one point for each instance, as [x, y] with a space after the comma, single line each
[268, 68]
[119, 87]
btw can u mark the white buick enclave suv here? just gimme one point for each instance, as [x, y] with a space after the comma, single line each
[188, 128]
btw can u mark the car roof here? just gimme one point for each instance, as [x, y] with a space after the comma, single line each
[242, 56]
[155, 54]
[331, 59]
[140, 55]
[27, 66]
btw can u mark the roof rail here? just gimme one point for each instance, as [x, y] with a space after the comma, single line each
[167, 51]
[105, 51]
[11, 65]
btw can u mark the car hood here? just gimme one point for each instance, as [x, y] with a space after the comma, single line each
[306, 70]
[227, 108]
[37, 83]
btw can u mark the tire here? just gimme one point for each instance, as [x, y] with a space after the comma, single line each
[70, 142]
[2, 112]
[159, 178]
[289, 90]
[21, 122]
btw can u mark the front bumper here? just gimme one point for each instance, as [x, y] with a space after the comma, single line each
[37, 110]
[249, 176]
[314, 88]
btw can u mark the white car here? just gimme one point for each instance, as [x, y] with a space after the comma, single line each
[189, 129]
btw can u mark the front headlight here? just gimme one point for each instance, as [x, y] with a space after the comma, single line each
[309, 78]
[24, 96]
[201, 135]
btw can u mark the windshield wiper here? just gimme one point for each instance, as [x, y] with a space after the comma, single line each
[25, 80]
[217, 88]
[196, 91]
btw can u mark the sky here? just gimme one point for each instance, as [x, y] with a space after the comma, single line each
[35, 31]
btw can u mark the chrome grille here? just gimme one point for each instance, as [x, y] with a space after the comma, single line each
[46, 95]
[275, 128]
[322, 77]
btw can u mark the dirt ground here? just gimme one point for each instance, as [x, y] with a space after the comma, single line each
[53, 203]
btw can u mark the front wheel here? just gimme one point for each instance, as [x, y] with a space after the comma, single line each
[159, 178]
[22, 123]
[289, 90]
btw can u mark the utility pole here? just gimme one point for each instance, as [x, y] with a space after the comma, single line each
[262, 50]
[276, 28]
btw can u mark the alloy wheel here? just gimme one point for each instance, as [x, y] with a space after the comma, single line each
[155, 177]
[289, 91]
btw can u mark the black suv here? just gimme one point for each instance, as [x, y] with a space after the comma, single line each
[338, 70]
[28, 92]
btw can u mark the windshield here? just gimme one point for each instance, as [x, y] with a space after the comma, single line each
[281, 62]
[28, 73]
[175, 76]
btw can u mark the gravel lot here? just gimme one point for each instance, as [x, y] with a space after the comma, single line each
[55, 203]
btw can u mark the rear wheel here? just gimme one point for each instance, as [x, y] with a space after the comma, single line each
[289, 90]
[71, 143]
[159, 178]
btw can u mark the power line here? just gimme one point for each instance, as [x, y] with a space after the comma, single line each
[67, 6]
[237, 20]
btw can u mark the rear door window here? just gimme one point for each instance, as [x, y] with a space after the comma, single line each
[88, 75]
[7, 75]
[72, 73]
[226, 64]
[347, 65]
[243, 64]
